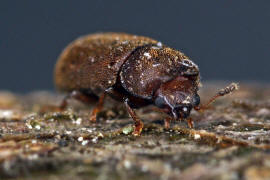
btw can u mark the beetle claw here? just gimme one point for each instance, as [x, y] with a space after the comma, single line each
[138, 129]
[98, 108]
[93, 118]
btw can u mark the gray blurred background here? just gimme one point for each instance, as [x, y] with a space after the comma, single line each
[229, 40]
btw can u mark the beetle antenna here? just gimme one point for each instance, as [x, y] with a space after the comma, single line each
[222, 92]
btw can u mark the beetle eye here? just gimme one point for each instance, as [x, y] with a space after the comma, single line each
[159, 102]
[184, 109]
[196, 100]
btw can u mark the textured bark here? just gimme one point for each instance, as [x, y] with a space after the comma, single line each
[229, 141]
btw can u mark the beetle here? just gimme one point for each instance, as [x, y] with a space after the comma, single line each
[135, 70]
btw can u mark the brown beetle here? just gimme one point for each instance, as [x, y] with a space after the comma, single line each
[136, 70]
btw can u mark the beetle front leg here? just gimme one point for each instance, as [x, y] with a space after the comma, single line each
[167, 122]
[138, 124]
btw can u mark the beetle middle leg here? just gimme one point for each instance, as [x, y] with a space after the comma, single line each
[137, 122]
[98, 108]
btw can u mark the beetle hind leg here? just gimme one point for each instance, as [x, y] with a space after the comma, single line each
[85, 98]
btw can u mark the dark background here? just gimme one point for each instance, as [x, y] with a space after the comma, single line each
[229, 40]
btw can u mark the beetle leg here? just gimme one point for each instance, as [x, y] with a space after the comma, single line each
[167, 122]
[190, 122]
[114, 93]
[98, 108]
[58, 108]
[76, 94]
[137, 122]
[222, 92]
[80, 96]
[64, 103]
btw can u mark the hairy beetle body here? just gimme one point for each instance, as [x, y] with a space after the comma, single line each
[136, 70]
[93, 61]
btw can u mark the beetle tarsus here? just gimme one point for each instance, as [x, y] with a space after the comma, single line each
[190, 123]
[138, 124]
[138, 128]
[98, 108]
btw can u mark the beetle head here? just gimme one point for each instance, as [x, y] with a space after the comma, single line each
[177, 97]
